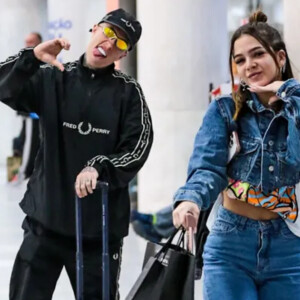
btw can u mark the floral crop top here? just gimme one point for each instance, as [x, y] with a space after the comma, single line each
[282, 200]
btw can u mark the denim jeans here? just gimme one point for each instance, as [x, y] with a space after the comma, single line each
[246, 259]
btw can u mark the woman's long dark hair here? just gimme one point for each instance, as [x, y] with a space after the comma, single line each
[270, 39]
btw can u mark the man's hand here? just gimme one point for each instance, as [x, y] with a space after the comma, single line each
[270, 88]
[48, 51]
[186, 214]
[86, 181]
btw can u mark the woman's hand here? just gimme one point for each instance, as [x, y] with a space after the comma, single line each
[270, 88]
[86, 181]
[48, 51]
[186, 214]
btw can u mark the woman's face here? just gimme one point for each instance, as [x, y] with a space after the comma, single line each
[254, 64]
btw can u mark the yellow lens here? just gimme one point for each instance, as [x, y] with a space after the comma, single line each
[109, 32]
[122, 45]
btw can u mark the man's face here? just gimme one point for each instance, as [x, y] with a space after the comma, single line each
[102, 51]
[31, 40]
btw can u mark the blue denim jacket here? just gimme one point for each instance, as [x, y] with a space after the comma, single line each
[270, 147]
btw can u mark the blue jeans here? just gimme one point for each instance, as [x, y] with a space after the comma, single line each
[250, 260]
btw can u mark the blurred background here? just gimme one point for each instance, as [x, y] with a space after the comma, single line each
[181, 57]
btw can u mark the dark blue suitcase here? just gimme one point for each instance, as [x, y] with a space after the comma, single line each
[105, 251]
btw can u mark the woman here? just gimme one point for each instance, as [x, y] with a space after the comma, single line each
[253, 250]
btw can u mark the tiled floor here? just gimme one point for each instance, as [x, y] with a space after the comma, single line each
[11, 235]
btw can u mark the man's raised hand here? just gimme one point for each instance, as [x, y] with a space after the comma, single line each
[48, 51]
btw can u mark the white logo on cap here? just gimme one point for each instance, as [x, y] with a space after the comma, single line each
[128, 24]
[106, 17]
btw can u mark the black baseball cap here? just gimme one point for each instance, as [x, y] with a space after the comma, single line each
[126, 22]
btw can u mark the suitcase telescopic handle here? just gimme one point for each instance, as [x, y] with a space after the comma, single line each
[103, 186]
[79, 258]
[105, 250]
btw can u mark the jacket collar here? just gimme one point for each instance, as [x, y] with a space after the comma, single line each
[254, 104]
[257, 107]
[94, 73]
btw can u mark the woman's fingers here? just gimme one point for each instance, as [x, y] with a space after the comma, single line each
[186, 214]
[191, 221]
[178, 218]
[272, 87]
[257, 89]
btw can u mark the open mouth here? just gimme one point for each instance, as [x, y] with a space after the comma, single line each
[99, 51]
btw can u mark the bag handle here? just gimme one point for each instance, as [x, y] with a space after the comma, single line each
[165, 247]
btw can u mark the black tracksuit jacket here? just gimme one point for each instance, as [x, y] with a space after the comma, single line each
[88, 117]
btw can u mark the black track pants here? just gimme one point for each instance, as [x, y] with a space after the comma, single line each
[42, 256]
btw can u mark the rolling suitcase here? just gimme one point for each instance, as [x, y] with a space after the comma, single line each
[105, 251]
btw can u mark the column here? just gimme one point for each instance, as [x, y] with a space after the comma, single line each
[128, 64]
[72, 19]
[291, 23]
[17, 19]
[184, 47]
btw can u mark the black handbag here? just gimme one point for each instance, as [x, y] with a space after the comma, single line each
[169, 274]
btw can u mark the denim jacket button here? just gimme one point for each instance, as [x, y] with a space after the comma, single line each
[271, 143]
[271, 168]
[283, 94]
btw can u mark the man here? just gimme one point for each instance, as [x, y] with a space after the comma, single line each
[33, 39]
[27, 143]
[95, 125]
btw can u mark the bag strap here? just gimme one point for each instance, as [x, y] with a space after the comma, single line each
[227, 112]
[227, 109]
[166, 246]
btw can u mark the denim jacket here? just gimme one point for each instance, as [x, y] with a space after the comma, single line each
[270, 147]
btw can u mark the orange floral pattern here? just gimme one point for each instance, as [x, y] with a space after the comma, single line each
[282, 200]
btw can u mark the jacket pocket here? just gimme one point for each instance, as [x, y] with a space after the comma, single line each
[223, 227]
[287, 233]
[242, 163]
[288, 174]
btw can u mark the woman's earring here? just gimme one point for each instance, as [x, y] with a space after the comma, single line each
[244, 85]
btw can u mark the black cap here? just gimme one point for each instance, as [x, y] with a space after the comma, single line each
[126, 22]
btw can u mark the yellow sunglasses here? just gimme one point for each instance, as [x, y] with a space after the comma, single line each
[110, 33]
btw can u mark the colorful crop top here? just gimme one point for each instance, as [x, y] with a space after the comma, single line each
[282, 200]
